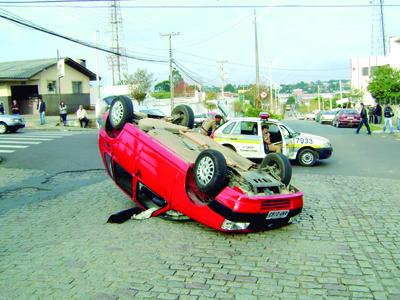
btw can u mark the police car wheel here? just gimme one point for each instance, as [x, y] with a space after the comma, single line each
[210, 172]
[121, 111]
[307, 157]
[279, 165]
[183, 115]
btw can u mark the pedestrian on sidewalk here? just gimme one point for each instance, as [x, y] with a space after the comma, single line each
[378, 114]
[1, 108]
[82, 116]
[63, 112]
[388, 114]
[364, 119]
[397, 115]
[41, 107]
[15, 107]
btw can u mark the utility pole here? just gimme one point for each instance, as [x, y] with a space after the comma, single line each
[270, 88]
[319, 100]
[221, 68]
[341, 92]
[58, 79]
[97, 67]
[171, 83]
[257, 64]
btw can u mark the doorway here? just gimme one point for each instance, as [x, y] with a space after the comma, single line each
[26, 97]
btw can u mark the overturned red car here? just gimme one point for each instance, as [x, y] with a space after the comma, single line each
[168, 169]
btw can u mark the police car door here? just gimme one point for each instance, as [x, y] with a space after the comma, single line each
[287, 141]
[248, 143]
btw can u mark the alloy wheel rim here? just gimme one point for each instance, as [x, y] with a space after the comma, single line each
[205, 170]
[117, 112]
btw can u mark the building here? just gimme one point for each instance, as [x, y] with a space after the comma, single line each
[64, 80]
[362, 68]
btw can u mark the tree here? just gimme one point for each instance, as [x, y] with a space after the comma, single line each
[176, 77]
[139, 84]
[229, 88]
[162, 86]
[385, 84]
[291, 100]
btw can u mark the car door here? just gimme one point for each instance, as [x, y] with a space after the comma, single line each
[246, 138]
[288, 142]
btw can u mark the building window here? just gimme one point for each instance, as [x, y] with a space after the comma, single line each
[77, 87]
[373, 69]
[51, 86]
[365, 71]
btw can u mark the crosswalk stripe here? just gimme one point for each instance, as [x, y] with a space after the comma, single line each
[7, 151]
[24, 139]
[42, 136]
[19, 142]
[13, 146]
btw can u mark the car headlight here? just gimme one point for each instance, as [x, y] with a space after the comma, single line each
[229, 225]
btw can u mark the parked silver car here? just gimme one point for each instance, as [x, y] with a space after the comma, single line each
[11, 123]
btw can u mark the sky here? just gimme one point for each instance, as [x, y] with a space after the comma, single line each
[296, 43]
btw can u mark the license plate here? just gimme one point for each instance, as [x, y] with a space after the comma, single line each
[277, 214]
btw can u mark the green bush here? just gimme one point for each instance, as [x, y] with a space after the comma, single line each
[161, 95]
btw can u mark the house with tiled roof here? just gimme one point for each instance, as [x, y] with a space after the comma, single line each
[55, 80]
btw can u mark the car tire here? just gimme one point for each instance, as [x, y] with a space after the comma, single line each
[210, 172]
[230, 147]
[183, 115]
[280, 165]
[307, 157]
[121, 112]
[3, 127]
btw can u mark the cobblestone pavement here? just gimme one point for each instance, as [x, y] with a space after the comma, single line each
[345, 245]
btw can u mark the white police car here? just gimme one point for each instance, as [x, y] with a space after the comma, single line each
[244, 135]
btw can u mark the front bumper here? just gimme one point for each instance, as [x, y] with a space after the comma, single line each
[324, 153]
[258, 221]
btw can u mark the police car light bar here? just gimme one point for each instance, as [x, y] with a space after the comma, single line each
[264, 115]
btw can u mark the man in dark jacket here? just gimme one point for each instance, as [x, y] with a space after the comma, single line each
[388, 114]
[378, 113]
[41, 107]
[364, 119]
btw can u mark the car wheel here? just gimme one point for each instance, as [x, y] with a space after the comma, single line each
[3, 128]
[121, 111]
[279, 165]
[183, 115]
[210, 172]
[307, 157]
[230, 147]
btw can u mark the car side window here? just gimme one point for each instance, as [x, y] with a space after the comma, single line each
[228, 128]
[248, 128]
[284, 131]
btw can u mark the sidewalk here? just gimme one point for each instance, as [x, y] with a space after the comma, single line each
[54, 123]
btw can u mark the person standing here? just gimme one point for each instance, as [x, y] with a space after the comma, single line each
[397, 115]
[388, 114]
[378, 113]
[15, 107]
[63, 112]
[41, 107]
[1, 108]
[210, 124]
[82, 116]
[364, 119]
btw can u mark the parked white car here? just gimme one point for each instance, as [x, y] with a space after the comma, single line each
[310, 116]
[11, 123]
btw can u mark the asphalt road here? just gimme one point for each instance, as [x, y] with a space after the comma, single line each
[376, 155]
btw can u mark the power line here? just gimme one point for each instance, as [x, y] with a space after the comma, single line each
[201, 6]
[17, 20]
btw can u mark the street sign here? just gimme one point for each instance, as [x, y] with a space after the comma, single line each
[263, 95]
[60, 68]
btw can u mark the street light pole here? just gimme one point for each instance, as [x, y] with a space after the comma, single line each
[257, 64]
[171, 83]
[221, 67]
